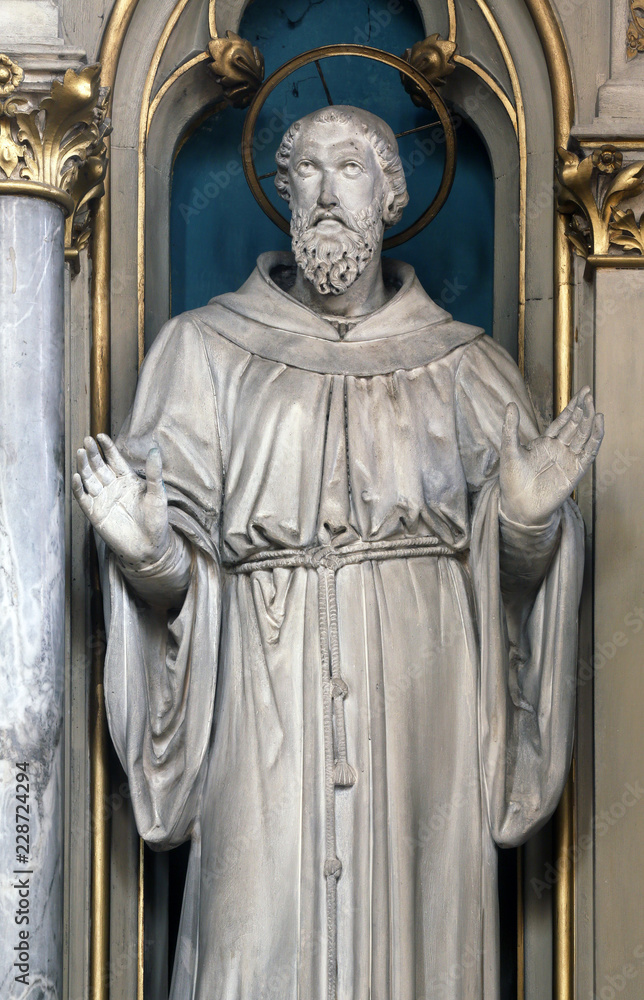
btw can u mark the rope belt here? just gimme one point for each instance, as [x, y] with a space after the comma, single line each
[338, 772]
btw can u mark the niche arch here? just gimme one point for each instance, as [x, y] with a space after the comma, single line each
[163, 87]
[153, 55]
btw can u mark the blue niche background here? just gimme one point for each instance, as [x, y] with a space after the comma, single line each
[217, 228]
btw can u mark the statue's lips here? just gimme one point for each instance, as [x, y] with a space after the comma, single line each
[329, 222]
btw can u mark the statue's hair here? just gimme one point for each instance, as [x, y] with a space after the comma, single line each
[379, 135]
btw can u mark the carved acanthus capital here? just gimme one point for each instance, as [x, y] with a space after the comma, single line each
[55, 149]
[434, 58]
[238, 68]
[591, 191]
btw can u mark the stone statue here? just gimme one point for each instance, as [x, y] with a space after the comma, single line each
[342, 574]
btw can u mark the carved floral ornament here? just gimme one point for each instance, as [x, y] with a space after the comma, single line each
[434, 58]
[238, 66]
[591, 191]
[635, 33]
[10, 76]
[56, 150]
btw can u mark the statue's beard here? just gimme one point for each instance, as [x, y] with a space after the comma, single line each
[332, 263]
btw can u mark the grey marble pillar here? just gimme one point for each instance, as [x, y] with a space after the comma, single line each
[32, 597]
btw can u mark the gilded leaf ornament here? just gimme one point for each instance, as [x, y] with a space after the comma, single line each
[635, 33]
[590, 191]
[58, 147]
[627, 232]
[434, 58]
[238, 68]
[10, 151]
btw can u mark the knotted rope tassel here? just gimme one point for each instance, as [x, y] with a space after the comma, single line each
[344, 774]
[337, 770]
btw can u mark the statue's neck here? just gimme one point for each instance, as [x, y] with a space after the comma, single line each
[367, 294]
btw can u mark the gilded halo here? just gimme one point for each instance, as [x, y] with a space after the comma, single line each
[408, 72]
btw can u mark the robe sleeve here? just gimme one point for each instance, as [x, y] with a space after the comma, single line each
[527, 585]
[161, 665]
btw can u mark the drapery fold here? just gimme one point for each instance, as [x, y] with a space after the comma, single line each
[528, 643]
[160, 681]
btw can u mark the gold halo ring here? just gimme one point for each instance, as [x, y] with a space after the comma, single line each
[365, 52]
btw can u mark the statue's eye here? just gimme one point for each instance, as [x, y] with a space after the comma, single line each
[352, 168]
[304, 168]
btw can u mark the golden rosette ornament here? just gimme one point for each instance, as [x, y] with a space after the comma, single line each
[608, 159]
[434, 58]
[238, 68]
[10, 76]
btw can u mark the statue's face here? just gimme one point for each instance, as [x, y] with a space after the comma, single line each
[337, 190]
[334, 171]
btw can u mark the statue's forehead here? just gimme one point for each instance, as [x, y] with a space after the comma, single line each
[338, 138]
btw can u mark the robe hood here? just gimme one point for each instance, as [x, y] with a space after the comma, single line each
[409, 331]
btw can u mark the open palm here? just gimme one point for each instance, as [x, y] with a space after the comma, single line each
[129, 513]
[536, 478]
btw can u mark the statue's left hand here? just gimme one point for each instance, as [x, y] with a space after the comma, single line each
[536, 478]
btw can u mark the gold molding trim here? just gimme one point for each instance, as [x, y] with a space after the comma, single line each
[170, 82]
[494, 87]
[100, 385]
[590, 191]
[56, 149]
[621, 143]
[451, 13]
[558, 64]
[523, 168]
[212, 18]
[144, 120]
[36, 189]
[140, 924]
[635, 31]
[627, 262]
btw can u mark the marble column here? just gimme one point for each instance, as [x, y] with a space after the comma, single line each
[32, 597]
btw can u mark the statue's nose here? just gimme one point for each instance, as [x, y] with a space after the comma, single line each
[327, 197]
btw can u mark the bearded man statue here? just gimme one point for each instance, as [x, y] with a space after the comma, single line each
[332, 262]
[342, 571]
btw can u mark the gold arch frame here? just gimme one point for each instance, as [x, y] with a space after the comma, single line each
[558, 64]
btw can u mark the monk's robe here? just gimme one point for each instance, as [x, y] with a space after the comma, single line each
[370, 680]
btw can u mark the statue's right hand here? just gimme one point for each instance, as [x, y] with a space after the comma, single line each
[129, 513]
